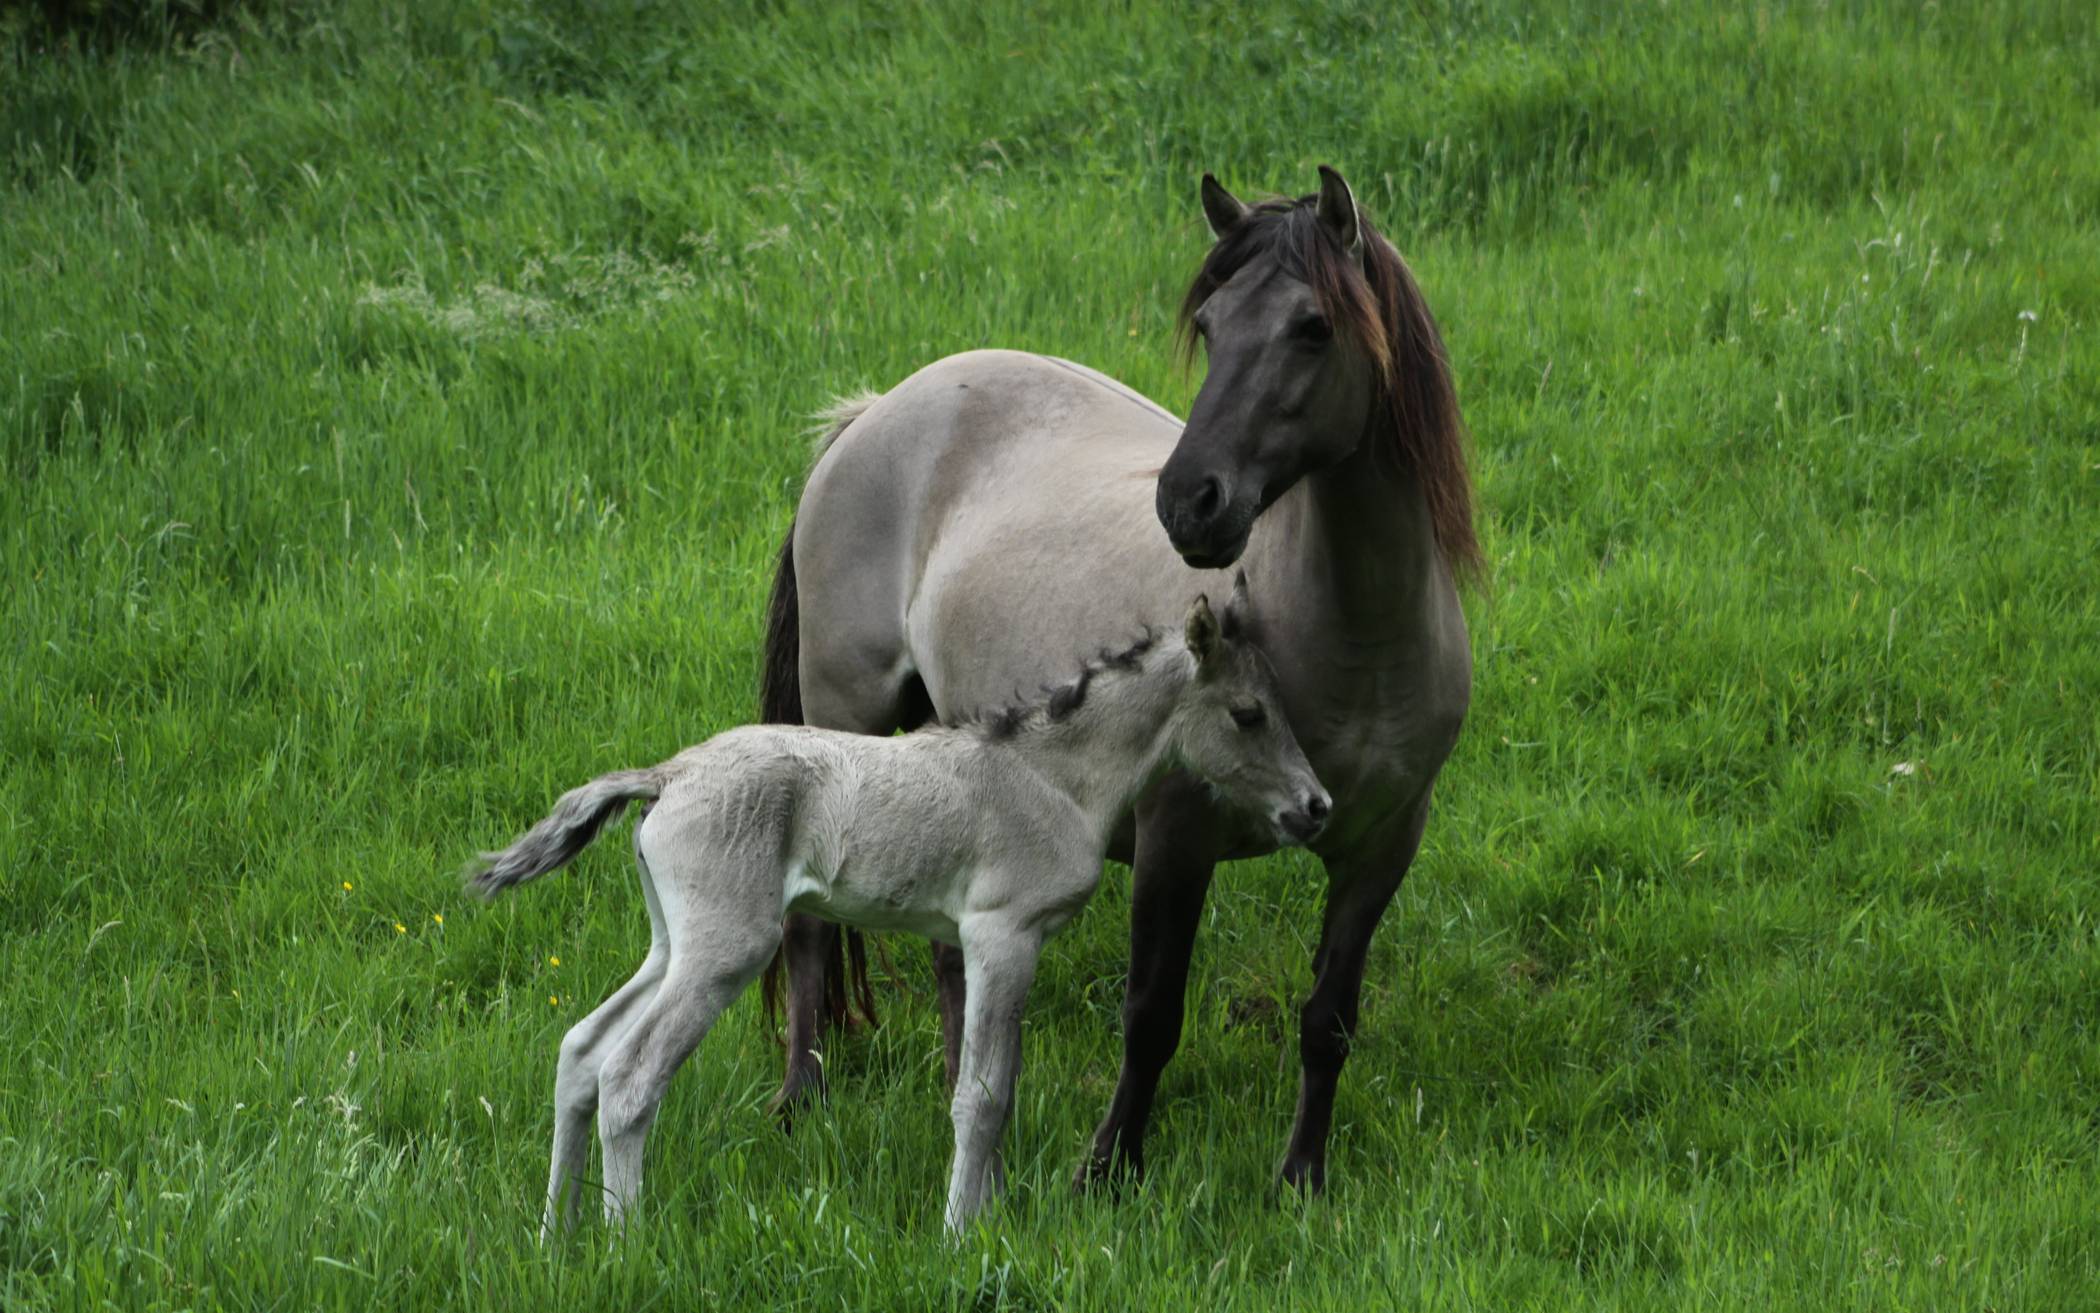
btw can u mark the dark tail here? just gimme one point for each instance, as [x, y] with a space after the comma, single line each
[567, 831]
[780, 679]
[780, 703]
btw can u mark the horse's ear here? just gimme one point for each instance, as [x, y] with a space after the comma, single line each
[1221, 207]
[1232, 621]
[1202, 630]
[1338, 213]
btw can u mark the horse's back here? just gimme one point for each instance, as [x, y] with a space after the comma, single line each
[959, 427]
[980, 526]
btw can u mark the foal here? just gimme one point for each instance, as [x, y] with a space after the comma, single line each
[988, 835]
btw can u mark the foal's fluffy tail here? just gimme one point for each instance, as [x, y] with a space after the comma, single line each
[574, 822]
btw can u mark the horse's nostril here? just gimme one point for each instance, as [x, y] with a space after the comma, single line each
[1317, 807]
[1208, 496]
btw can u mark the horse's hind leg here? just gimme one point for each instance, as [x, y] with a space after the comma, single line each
[810, 951]
[951, 992]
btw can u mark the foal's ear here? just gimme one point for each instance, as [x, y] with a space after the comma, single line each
[1221, 207]
[1337, 213]
[1202, 630]
[1232, 621]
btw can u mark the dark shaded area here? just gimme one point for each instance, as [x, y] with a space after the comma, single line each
[105, 24]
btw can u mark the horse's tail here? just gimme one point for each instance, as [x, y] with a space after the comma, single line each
[780, 675]
[780, 703]
[568, 829]
[780, 678]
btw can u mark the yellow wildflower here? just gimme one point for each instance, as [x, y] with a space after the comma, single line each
[346, 886]
[553, 961]
[400, 929]
[438, 917]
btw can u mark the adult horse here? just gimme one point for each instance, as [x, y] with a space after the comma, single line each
[998, 514]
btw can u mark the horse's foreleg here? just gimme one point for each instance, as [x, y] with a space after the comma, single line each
[1000, 961]
[1358, 892]
[1170, 878]
[809, 952]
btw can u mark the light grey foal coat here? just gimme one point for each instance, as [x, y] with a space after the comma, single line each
[989, 836]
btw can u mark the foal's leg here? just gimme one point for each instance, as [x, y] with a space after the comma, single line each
[1000, 958]
[707, 973]
[576, 1089]
[583, 1051]
[721, 909]
[1358, 891]
[1170, 876]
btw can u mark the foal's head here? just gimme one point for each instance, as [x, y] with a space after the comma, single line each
[1229, 729]
[1318, 342]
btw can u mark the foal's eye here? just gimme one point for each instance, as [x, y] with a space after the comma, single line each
[1248, 717]
[1313, 330]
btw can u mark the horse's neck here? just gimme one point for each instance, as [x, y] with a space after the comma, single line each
[1106, 750]
[1355, 541]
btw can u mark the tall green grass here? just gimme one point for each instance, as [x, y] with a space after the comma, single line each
[399, 408]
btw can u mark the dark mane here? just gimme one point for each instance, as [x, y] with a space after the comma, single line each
[1382, 310]
[1060, 700]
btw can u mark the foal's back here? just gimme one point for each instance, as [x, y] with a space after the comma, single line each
[880, 832]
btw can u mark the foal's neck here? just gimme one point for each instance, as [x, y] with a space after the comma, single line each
[1103, 752]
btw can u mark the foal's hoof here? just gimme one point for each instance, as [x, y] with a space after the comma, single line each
[1305, 1177]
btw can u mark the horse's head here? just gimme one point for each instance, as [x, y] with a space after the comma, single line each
[1289, 388]
[1317, 340]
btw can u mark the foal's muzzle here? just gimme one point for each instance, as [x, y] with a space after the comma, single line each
[1304, 822]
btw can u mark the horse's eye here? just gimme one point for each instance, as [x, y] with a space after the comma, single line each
[1248, 717]
[1313, 330]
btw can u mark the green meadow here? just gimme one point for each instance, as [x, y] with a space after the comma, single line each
[400, 408]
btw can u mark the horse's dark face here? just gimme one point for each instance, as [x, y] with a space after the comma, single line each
[1285, 395]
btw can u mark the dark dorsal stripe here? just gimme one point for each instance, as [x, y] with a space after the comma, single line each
[1063, 699]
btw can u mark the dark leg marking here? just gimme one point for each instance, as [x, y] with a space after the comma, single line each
[810, 949]
[1170, 878]
[952, 995]
[1357, 895]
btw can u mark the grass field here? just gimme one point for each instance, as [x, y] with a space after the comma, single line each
[399, 408]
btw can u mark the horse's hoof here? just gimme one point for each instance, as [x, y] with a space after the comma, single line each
[1113, 1173]
[1305, 1177]
[796, 1096]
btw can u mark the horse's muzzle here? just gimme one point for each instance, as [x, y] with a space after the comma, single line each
[1206, 525]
